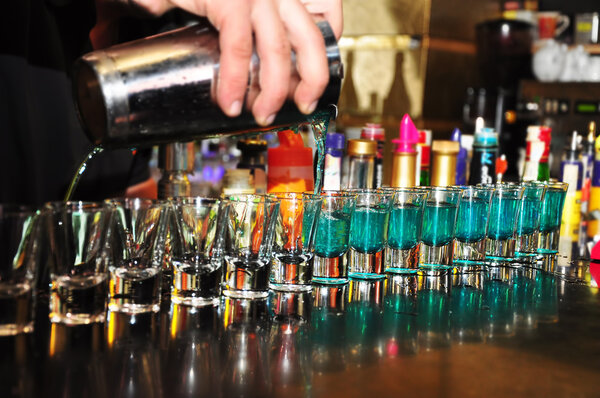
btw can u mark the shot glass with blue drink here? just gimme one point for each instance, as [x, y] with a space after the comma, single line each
[404, 230]
[368, 233]
[437, 235]
[528, 222]
[551, 216]
[330, 265]
[502, 224]
[471, 225]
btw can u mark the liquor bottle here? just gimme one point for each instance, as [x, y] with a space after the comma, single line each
[571, 172]
[334, 153]
[361, 154]
[253, 158]
[424, 157]
[594, 204]
[374, 132]
[483, 164]
[461, 161]
[445, 154]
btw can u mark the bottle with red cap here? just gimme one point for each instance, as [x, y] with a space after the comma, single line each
[290, 165]
[423, 157]
[374, 132]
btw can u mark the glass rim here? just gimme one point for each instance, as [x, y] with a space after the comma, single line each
[112, 201]
[484, 187]
[556, 185]
[443, 189]
[331, 193]
[368, 191]
[404, 189]
[191, 200]
[75, 205]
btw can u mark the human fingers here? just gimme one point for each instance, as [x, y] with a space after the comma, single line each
[273, 49]
[331, 10]
[311, 58]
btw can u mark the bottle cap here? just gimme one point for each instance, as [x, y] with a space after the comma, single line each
[290, 152]
[424, 141]
[373, 131]
[486, 137]
[335, 141]
[444, 147]
[362, 147]
[456, 135]
[408, 136]
[252, 145]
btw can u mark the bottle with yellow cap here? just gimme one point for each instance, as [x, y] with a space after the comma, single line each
[361, 157]
[443, 172]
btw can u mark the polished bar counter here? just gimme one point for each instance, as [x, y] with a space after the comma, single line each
[495, 333]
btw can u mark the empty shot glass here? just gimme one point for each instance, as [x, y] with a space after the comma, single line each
[437, 236]
[368, 233]
[197, 246]
[502, 224]
[293, 250]
[330, 265]
[137, 241]
[18, 265]
[550, 217]
[78, 261]
[528, 222]
[471, 225]
[404, 230]
[248, 244]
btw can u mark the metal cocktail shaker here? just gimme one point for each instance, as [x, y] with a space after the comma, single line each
[162, 89]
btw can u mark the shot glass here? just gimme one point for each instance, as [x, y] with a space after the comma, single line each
[528, 222]
[330, 265]
[368, 233]
[471, 225]
[502, 224]
[18, 268]
[404, 230]
[137, 240]
[293, 250]
[551, 216]
[437, 236]
[79, 259]
[248, 245]
[197, 250]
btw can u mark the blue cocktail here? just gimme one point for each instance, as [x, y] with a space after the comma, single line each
[502, 224]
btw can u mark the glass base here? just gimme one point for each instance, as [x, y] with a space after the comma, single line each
[524, 258]
[499, 252]
[194, 301]
[293, 275]
[133, 308]
[14, 329]
[545, 262]
[402, 261]
[466, 253]
[77, 319]
[526, 245]
[330, 270]
[329, 281]
[245, 294]
[435, 257]
[548, 242]
[365, 265]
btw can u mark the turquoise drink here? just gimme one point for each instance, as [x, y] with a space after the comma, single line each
[502, 224]
[528, 222]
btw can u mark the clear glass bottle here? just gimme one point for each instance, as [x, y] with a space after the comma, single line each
[361, 154]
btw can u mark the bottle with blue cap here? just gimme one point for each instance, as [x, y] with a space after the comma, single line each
[461, 160]
[483, 164]
[334, 152]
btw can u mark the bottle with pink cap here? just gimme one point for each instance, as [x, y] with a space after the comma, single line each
[404, 165]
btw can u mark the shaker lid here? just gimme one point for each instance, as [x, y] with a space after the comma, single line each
[362, 147]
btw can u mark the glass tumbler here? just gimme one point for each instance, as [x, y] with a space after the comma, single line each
[137, 241]
[471, 225]
[332, 236]
[439, 218]
[528, 222]
[79, 259]
[248, 245]
[293, 250]
[368, 233]
[404, 230]
[18, 268]
[197, 250]
[550, 217]
[502, 224]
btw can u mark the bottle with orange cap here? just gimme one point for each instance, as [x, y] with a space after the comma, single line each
[290, 165]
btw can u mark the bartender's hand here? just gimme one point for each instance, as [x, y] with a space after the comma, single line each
[278, 26]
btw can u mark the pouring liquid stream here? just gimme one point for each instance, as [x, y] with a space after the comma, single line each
[80, 171]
